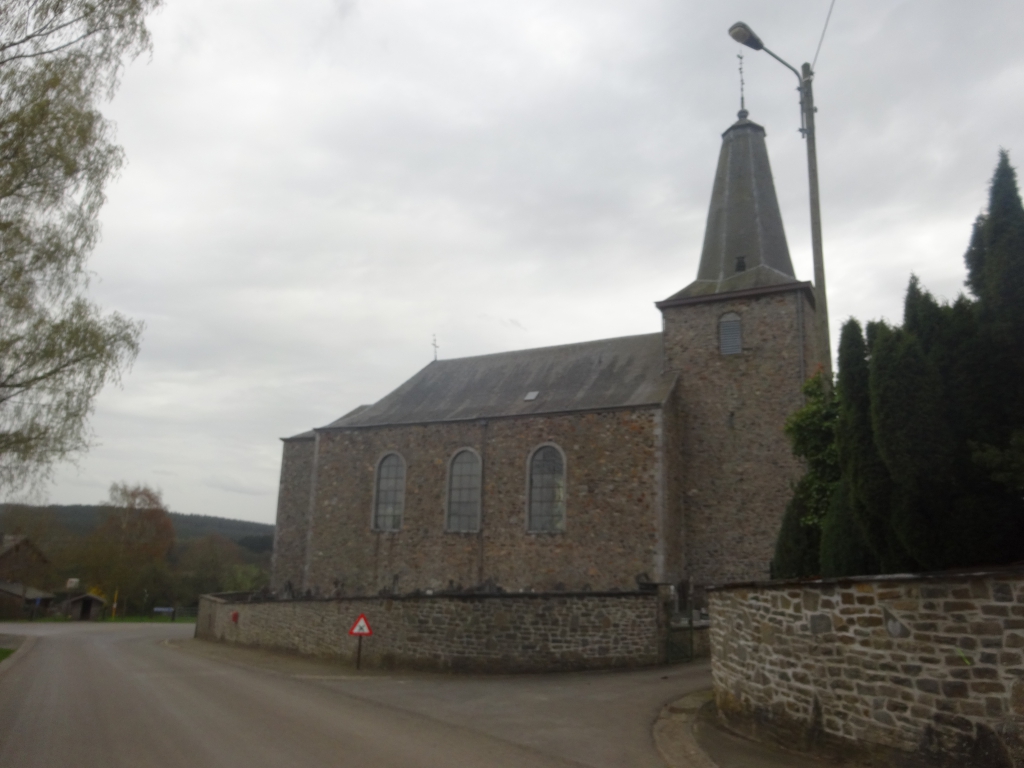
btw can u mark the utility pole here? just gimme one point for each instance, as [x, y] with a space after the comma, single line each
[820, 294]
[744, 35]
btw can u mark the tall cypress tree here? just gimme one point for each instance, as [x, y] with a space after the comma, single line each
[867, 485]
[995, 258]
[930, 423]
[844, 548]
[946, 401]
[798, 545]
[914, 441]
[995, 275]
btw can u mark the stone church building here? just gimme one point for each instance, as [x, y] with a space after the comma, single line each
[590, 466]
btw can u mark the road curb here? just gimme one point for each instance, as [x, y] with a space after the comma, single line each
[23, 649]
[673, 732]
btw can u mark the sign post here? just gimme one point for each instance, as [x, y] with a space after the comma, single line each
[360, 630]
[72, 585]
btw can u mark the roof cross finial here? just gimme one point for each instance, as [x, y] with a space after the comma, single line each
[434, 345]
[743, 107]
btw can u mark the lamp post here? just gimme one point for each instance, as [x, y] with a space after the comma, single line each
[741, 33]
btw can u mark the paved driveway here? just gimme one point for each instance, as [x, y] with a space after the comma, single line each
[147, 695]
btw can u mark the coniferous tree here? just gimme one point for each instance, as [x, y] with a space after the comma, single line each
[946, 400]
[798, 546]
[930, 420]
[995, 275]
[995, 258]
[844, 549]
[868, 487]
[913, 439]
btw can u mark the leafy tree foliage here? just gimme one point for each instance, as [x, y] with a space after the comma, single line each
[811, 430]
[151, 573]
[128, 552]
[930, 425]
[206, 564]
[58, 60]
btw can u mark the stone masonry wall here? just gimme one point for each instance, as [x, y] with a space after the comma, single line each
[292, 511]
[902, 670]
[737, 464]
[614, 508]
[488, 633]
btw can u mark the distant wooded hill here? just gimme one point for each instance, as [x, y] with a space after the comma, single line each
[83, 519]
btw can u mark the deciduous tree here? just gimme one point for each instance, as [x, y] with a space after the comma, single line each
[58, 60]
[128, 551]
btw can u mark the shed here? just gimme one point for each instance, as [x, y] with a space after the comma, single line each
[86, 607]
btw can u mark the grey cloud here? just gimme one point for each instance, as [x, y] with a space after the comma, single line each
[315, 189]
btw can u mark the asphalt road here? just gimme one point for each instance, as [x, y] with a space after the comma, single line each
[106, 696]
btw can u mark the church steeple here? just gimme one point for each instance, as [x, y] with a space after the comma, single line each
[744, 242]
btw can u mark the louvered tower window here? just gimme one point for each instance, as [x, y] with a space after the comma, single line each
[464, 493]
[389, 499]
[730, 337]
[547, 490]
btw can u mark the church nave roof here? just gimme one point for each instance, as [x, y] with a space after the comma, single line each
[592, 375]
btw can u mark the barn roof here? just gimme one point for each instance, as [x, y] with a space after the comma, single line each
[20, 590]
[594, 375]
[13, 542]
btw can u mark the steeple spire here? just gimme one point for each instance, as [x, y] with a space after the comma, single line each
[743, 107]
[744, 241]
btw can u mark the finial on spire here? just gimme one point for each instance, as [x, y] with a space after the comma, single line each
[742, 114]
[433, 343]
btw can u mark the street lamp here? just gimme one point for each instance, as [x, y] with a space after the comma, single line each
[743, 34]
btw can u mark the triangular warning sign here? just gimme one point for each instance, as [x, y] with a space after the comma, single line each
[361, 627]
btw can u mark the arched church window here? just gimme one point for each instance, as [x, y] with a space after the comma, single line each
[730, 337]
[389, 499]
[464, 492]
[547, 490]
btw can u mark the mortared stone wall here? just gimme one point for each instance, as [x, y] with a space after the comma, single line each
[895, 670]
[484, 633]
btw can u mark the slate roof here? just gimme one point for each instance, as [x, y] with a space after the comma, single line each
[593, 375]
[744, 241]
[87, 596]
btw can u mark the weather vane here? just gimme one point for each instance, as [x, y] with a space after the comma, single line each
[743, 107]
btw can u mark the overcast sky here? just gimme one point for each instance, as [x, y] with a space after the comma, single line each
[316, 187]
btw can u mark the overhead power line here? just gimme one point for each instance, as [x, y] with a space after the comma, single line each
[822, 39]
